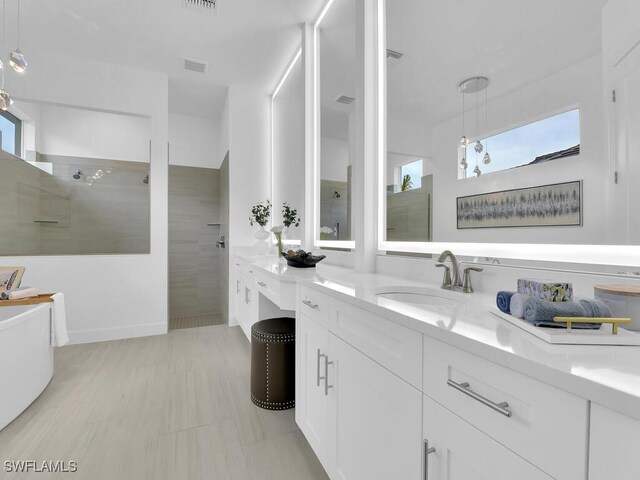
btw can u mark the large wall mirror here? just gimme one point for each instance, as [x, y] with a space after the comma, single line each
[287, 103]
[335, 37]
[74, 181]
[497, 125]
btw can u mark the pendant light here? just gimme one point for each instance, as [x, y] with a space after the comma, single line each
[5, 98]
[17, 59]
[487, 158]
[474, 85]
[463, 141]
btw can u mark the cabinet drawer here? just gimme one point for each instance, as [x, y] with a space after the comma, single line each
[268, 286]
[315, 305]
[394, 346]
[546, 426]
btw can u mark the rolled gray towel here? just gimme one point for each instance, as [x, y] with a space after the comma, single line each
[541, 313]
[596, 308]
[517, 304]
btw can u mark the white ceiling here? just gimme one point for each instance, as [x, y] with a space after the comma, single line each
[247, 42]
[511, 42]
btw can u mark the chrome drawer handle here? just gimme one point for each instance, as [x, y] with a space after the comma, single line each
[466, 389]
[326, 376]
[318, 377]
[310, 305]
[262, 284]
[237, 286]
[427, 451]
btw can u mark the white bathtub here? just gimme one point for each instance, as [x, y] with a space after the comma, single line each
[26, 357]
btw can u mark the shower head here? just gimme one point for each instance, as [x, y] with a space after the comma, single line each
[78, 174]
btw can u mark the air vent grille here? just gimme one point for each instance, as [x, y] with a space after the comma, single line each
[195, 65]
[208, 4]
[393, 54]
[345, 99]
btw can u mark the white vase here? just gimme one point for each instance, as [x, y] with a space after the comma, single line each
[262, 246]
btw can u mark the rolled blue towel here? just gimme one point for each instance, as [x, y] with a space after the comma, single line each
[517, 304]
[596, 308]
[541, 313]
[503, 300]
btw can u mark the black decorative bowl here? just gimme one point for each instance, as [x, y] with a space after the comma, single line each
[302, 259]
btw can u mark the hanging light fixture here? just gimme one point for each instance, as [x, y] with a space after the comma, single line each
[487, 158]
[17, 59]
[5, 98]
[463, 141]
[469, 86]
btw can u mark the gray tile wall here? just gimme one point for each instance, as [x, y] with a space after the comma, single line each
[194, 260]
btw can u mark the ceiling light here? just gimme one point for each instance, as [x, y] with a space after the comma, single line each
[474, 85]
[5, 100]
[17, 59]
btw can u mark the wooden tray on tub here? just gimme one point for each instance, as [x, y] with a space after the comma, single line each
[42, 298]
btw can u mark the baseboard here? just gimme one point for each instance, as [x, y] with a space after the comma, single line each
[117, 333]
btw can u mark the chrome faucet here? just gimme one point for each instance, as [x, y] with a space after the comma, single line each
[455, 284]
[447, 282]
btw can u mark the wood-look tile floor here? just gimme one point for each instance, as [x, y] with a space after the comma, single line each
[172, 407]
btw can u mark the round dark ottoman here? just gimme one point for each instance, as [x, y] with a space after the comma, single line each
[273, 352]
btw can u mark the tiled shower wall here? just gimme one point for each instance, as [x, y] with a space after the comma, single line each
[106, 211]
[194, 260]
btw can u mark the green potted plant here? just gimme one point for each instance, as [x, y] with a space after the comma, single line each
[260, 214]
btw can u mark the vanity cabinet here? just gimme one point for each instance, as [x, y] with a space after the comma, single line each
[361, 420]
[245, 298]
[614, 445]
[542, 424]
[370, 392]
[462, 452]
[312, 406]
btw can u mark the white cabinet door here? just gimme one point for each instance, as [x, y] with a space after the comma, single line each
[311, 396]
[375, 419]
[463, 452]
[614, 445]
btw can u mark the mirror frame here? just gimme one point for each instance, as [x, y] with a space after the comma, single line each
[618, 255]
[316, 108]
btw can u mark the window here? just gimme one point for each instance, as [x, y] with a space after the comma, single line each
[546, 140]
[414, 179]
[11, 133]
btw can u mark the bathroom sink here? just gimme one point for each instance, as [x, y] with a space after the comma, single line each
[416, 296]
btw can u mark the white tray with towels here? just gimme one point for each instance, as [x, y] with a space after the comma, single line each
[562, 336]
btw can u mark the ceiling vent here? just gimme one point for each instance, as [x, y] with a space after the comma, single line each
[203, 4]
[195, 65]
[345, 99]
[392, 54]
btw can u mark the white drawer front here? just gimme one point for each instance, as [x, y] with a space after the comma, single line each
[315, 305]
[268, 286]
[546, 426]
[397, 348]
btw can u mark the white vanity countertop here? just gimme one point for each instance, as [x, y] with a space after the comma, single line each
[279, 269]
[608, 375]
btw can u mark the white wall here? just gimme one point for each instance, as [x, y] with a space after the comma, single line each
[114, 296]
[249, 163]
[619, 27]
[63, 130]
[334, 159]
[194, 141]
